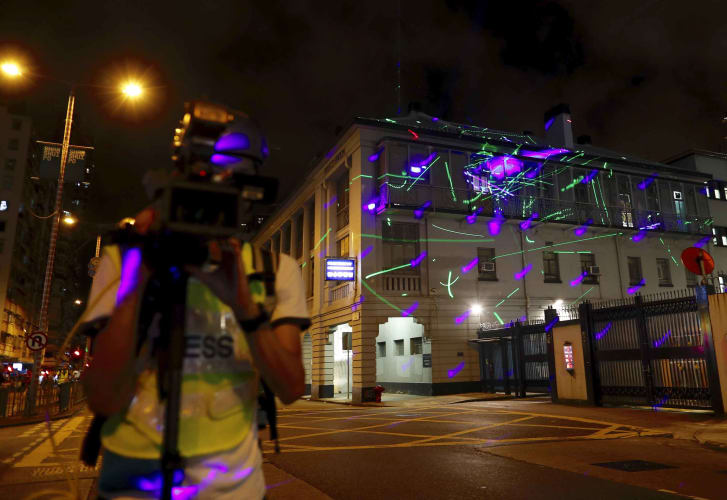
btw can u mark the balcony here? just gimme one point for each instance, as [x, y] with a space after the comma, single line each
[340, 292]
[401, 283]
[446, 200]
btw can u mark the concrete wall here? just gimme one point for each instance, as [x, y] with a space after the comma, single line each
[571, 385]
[718, 318]
[408, 367]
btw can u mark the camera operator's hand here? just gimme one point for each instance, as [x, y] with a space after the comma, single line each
[229, 281]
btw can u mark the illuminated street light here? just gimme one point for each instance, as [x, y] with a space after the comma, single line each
[69, 220]
[132, 90]
[476, 309]
[78, 302]
[11, 69]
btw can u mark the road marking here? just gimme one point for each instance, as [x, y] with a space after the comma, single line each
[45, 449]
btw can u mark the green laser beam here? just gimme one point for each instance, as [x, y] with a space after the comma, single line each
[557, 244]
[388, 270]
[449, 284]
[451, 186]
[380, 297]
[423, 172]
[498, 318]
[322, 238]
[456, 232]
[579, 298]
[518, 288]
[434, 240]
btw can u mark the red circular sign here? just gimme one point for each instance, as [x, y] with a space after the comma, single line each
[36, 341]
[691, 257]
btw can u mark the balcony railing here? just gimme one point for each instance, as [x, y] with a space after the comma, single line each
[443, 199]
[340, 292]
[404, 283]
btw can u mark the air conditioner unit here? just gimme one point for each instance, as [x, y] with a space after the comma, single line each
[594, 270]
[678, 195]
[487, 267]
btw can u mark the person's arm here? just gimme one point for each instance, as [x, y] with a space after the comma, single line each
[276, 349]
[110, 378]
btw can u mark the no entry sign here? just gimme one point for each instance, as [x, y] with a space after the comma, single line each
[691, 257]
[36, 341]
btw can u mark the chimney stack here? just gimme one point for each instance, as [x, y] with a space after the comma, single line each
[558, 130]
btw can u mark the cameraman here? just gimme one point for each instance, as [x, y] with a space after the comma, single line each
[229, 340]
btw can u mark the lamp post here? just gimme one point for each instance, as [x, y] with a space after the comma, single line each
[131, 90]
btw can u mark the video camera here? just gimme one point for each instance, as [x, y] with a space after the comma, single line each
[217, 153]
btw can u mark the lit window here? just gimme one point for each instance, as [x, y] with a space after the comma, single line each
[717, 194]
[3, 205]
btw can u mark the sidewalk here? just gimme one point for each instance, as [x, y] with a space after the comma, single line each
[407, 400]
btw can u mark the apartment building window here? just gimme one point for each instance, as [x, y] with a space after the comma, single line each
[7, 181]
[719, 236]
[486, 264]
[580, 189]
[342, 193]
[635, 274]
[299, 236]
[285, 239]
[415, 345]
[17, 123]
[311, 276]
[664, 272]
[10, 164]
[691, 278]
[400, 245]
[551, 265]
[2, 226]
[311, 228]
[588, 262]
[380, 349]
[276, 243]
[399, 347]
[13, 144]
[342, 247]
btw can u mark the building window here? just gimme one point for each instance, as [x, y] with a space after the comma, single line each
[3, 205]
[7, 182]
[342, 246]
[664, 272]
[311, 276]
[415, 345]
[635, 274]
[285, 239]
[719, 236]
[299, 236]
[10, 164]
[399, 347]
[276, 243]
[2, 225]
[551, 266]
[13, 144]
[17, 123]
[380, 349]
[342, 193]
[588, 262]
[2, 244]
[400, 245]
[486, 264]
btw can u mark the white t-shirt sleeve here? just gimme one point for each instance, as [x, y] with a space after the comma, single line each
[102, 299]
[290, 303]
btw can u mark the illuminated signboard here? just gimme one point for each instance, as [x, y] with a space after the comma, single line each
[340, 269]
[568, 355]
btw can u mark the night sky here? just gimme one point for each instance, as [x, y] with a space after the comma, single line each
[647, 78]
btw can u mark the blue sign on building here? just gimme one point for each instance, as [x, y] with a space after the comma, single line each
[340, 269]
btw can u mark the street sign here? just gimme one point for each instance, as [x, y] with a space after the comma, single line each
[426, 360]
[93, 266]
[50, 162]
[36, 341]
[691, 257]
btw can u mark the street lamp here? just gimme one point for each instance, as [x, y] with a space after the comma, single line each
[13, 70]
[78, 302]
[131, 89]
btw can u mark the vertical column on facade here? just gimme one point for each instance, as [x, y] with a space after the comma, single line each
[365, 330]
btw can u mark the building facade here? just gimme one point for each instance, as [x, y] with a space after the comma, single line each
[454, 228]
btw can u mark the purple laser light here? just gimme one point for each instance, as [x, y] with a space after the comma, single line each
[521, 274]
[632, 290]
[578, 280]
[454, 371]
[473, 217]
[602, 333]
[552, 324]
[420, 211]
[468, 267]
[581, 230]
[367, 251]
[702, 242]
[525, 225]
[660, 342]
[419, 259]
[460, 319]
[330, 202]
[410, 309]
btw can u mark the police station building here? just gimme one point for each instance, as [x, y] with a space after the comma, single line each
[414, 232]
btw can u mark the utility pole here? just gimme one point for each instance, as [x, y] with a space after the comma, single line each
[38, 355]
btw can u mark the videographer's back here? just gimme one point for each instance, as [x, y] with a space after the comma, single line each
[242, 313]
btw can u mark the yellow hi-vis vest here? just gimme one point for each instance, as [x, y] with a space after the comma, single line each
[219, 383]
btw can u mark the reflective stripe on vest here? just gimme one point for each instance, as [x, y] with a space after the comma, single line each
[219, 384]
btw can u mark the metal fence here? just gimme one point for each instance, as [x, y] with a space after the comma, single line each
[514, 358]
[51, 398]
[648, 350]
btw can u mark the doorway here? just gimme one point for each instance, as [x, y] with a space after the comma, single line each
[342, 361]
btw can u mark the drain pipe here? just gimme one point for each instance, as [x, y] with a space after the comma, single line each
[525, 278]
[618, 266]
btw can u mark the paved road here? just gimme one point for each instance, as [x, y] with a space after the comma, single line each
[432, 449]
[510, 450]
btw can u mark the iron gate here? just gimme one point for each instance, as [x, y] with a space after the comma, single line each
[514, 358]
[648, 351]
